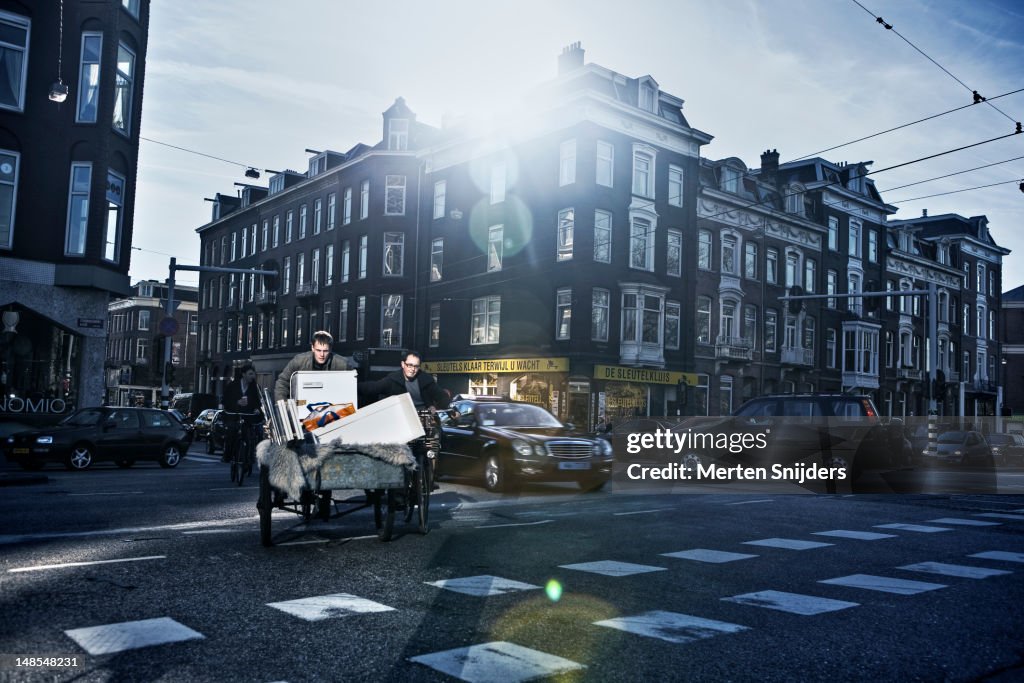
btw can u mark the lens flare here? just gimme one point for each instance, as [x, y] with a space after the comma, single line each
[553, 590]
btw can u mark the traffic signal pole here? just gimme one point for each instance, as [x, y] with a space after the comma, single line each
[165, 393]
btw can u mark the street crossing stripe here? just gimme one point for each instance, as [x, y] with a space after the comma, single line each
[497, 661]
[787, 543]
[612, 568]
[1000, 555]
[322, 607]
[856, 535]
[131, 635]
[999, 515]
[40, 567]
[913, 527]
[956, 521]
[482, 586]
[885, 584]
[958, 570]
[705, 555]
[671, 626]
[794, 603]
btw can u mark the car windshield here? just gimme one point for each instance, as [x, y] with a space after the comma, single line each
[999, 439]
[515, 415]
[951, 437]
[87, 417]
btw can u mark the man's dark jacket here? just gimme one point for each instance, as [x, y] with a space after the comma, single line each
[393, 384]
[233, 392]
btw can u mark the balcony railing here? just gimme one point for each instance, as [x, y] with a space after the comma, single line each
[914, 374]
[983, 385]
[307, 290]
[265, 298]
[794, 355]
[952, 376]
[140, 361]
[734, 348]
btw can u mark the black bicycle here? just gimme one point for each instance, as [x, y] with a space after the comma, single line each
[247, 430]
[420, 483]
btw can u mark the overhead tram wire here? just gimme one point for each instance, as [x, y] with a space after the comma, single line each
[247, 167]
[977, 98]
[966, 189]
[949, 175]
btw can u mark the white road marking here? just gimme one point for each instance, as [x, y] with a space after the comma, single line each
[1000, 515]
[704, 555]
[750, 502]
[108, 493]
[913, 527]
[856, 535]
[40, 567]
[482, 586]
[787, 543]
[794, 603]
[322, 607]
[130, 635]
[671, 626]
[22, 538]
[497, 662]
[1000, 555]
[613, 568]
[499, 526]
[236, 488]
[956, 521]
[309, 542]
[885, 584]
[640, 512]
[958, 570]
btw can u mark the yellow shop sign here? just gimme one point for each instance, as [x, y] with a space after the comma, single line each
[645, 375]
[498, 365]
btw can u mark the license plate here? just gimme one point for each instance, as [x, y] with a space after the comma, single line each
[20, 451]
[574, 465]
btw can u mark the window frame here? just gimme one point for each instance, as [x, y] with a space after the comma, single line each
[25, 24]
[394, 195]
[120, 90]
[95, 73]
[84, 216]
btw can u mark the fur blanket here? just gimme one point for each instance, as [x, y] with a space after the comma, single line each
[292, 470]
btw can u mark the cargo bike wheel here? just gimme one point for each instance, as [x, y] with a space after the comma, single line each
[384, 513]
[265, 505]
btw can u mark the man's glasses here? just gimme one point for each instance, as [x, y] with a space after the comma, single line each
[411, 366]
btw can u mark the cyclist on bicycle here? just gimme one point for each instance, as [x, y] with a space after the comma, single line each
[240, 396]
[421, 386]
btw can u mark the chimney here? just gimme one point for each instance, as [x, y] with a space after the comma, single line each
[570, 59]
[924, 213]
[769, 165]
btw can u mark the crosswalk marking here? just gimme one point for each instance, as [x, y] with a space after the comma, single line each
[131, 635]
[323, 607]
[497, 662]
[962, 522]
[705, 555]
[958, 570]
[999, 555]
[787, 543]
[856, 535]
[794, 603]
[919, 528]
[671, 626]
[612, 568]
[482, 586]
[1000, 515]
[885, 584]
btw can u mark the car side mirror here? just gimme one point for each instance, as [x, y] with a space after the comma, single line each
[570, 426]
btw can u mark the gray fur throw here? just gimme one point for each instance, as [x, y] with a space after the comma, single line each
[293, 469]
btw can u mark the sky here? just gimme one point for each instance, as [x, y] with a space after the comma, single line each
[256, 82]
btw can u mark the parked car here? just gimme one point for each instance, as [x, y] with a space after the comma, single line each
[503, 442]
[203, 422]
[190, 430]
[1006, 448]
[961, 448]
[110, 433]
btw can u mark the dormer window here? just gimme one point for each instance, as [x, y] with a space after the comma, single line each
[277, 183]
[730, 179]
[648, 96]
[145, 290]
[317, 165]
[398, 134]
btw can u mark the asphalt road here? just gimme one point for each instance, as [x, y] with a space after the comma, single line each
[547, 583]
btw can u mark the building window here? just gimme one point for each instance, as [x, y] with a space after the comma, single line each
[144, 320]
[566, 221]
[873, 246]
[398, 134]
[391, 320]
[299, 325]
[285, 327]
[853, 247]
[318, 215]
[435, 326]
[112, 225]
[750, 324]
[494, 247]
[394, 248]
[832, 286]
[646, 99]
[703, 320]
[991, 283]
[78, 206]
[345, 254]
[131, 6]
[771, 265]
[141, 349]
[730, 180]
[440, 188]
[602, 236]
[486, 320]
[436, 259]
[360, 318]
[286, 275]
[641, 245]
[771, 328]
[605, 163]
[252, 241]
[810, 275]
[332, 210]
[343, 320]
[314, 267]
[563, 314]
[14, 30]
[277, 231]
[346, 206]
[675, 186]
[599, 315]
[266, 239]
[674, 254]
[245, 242]
[729, 254]
[566, 163]
[854, 304]
[792, 269]
[302, 222]
[980, 282]
[88, 77]
[704, 250]
[641, 318]
[123, 89]
[833, 233]
[364, 199]
[300, 269]
[498, 183]
[362, 256]
[750, 260]
[672, 320]
[992, 325]
[289, 228]
[394, 195]
[967, 275]
[808, 341]
[643, 168]
[979, 329]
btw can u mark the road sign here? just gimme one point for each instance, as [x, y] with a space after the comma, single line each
[168, 327]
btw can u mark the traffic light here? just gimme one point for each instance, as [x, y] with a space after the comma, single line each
[271, 282]
[872, 303]
[169, 372]
[794, 305]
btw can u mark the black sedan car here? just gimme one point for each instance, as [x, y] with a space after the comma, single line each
[503, 442]
[1007, 449]
[961, 448]
[110, 433]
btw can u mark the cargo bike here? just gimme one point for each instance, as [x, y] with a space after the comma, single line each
[392, 485]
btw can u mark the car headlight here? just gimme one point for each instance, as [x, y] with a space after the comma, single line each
[10, 439]
[522, 448]
[958, 452]
[603, 448]
[44, 439]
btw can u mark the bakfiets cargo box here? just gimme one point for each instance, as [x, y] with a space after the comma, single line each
[390, 420]
[311, 386]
